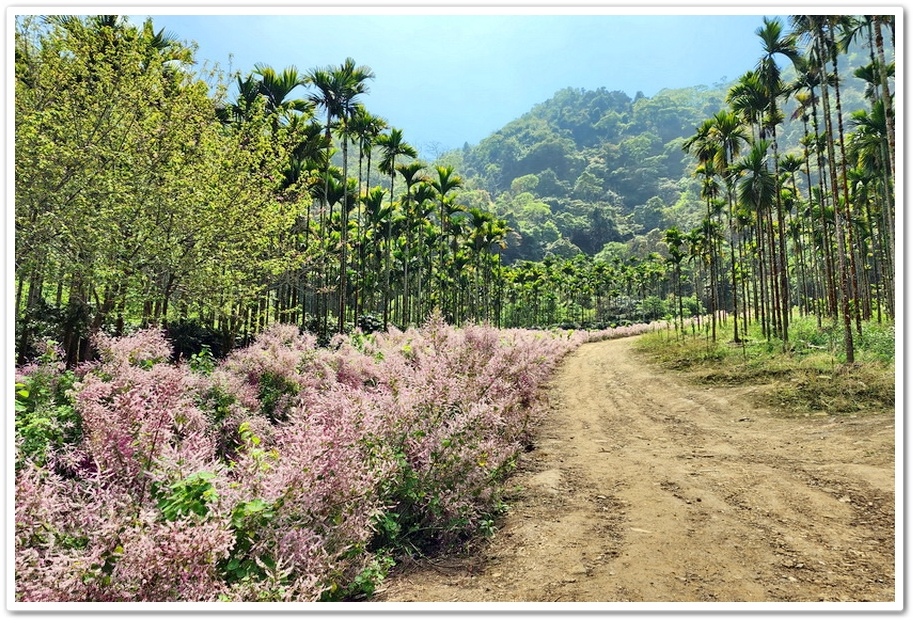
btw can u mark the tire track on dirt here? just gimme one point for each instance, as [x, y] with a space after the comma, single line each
[645, 488]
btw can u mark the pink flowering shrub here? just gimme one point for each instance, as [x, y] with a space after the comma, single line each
[626, 331]
[455, 416]
[285, 472]
[88, 527]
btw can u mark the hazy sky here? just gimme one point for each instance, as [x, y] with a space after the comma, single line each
[447, 79]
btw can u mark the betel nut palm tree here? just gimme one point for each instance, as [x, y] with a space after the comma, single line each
[393, 146]
[338, 93]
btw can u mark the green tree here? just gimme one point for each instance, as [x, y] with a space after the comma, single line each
[276, 89]
[393, 147]
[365, 129]
[775, 44]
[339, 88]
[133, 201]
[821, 31]
[411, 172]
[444, 183]
[675, 242]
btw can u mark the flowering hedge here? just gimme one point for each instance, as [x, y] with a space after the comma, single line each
[285, 472]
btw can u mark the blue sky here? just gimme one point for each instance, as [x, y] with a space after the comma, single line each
[447, 79]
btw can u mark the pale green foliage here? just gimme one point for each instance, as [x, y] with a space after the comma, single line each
[128, 189]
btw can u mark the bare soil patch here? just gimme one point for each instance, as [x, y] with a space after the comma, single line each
[645, 487]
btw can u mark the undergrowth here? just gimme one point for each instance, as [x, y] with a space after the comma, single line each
[282, 472]
[808, 374]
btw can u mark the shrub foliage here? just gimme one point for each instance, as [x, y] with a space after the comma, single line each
[284, 472]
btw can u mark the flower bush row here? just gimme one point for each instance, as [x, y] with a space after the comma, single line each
[285, 472]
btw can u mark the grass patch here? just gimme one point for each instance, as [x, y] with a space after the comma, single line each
[807, 375]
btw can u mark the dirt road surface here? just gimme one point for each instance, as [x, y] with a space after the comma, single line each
[645, 487]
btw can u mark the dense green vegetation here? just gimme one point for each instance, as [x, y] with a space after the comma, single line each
[282, 472]
[206, 245]
[751, 198]
[149, 193]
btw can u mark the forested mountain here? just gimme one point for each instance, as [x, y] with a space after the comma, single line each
[215, 205]
[588, 167]
[591, 167]
[259, 342]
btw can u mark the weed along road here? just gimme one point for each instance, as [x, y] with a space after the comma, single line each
[646, 487]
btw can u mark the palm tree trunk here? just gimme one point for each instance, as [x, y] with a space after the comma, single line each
[780, 252]
[405, 286]
[829, 260]
[838, 216]
[762, 309]
[386, 296]
[854, 289]
[344, 229]
[875, 24]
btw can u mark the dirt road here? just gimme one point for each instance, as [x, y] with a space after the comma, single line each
[644, 487]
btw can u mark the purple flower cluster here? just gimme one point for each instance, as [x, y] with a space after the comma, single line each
[285, 472]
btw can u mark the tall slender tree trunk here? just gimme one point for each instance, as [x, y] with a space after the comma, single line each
[734, 276]
[838, 214]
[344, 230]
[829, 259]
[853, 243]
[405, 286]
[762, 309]
[876, 24]
[782, 252]
[386, 303]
